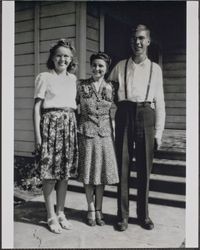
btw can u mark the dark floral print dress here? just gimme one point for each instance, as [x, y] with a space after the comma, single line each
[59, 151]
[97, 159]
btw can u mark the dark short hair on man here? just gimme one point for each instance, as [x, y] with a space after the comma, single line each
[60, 43]
[101, 55]
[141, 27]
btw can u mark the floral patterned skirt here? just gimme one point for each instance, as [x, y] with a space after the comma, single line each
[59, 149]
[97, 160]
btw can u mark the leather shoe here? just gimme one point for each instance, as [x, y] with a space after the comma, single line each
[146, 223]
[122, 225]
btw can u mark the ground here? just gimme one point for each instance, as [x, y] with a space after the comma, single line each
[31, 231]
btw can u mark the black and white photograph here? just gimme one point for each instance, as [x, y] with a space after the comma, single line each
[100, 124]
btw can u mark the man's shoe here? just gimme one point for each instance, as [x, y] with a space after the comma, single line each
[146, 224]
[122, 225]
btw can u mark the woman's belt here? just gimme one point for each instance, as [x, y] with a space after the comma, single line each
[46, 110]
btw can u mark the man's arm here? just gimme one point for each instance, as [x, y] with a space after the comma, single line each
[159, 108]
[113, 76]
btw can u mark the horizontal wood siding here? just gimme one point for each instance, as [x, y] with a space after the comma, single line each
[24, 48]
[56, 20]
[92, 36]
[24, 78]
[174, 74]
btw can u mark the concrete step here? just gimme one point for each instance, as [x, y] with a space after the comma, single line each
[164, 190]
[169, 167]
[170, 154]
[174, 185]
[167, 184]
[166, 167]
[158, 177]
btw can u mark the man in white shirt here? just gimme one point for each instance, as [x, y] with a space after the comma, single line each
[139, 123]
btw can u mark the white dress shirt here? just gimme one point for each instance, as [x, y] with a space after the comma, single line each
[58, 91]
[137, 81]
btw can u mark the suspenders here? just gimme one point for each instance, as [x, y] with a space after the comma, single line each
[148, 86]
[125, 80]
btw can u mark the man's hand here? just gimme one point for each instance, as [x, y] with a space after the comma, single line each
[157, 143]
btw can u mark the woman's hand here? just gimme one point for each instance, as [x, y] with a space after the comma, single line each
[37, 146]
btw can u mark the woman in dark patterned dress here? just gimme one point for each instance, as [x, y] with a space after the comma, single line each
[56, 130]
[97, 160]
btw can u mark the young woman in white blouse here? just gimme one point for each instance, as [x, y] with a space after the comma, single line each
[56, 130]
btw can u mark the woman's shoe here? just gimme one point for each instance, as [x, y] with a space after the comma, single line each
[99, 218]
[54, 226]
[65, 224]
[91, 218]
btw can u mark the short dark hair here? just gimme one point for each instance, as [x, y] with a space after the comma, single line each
[141, 27]
[101, 55]
[62, 43]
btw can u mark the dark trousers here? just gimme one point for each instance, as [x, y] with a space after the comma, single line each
[134, 127]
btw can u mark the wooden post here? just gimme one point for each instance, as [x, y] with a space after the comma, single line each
[36, 39]
[102, 30]
[160, 61]
[81, 26]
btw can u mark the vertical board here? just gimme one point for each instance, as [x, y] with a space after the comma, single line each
[93, 33]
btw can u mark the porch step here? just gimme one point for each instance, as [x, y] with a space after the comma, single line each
[173, 145]
[170, 155]
[155, 197]
[167, 184]
[167, 167]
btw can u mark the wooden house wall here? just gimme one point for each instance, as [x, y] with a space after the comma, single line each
[174, 65]
[35, 30]
[92, 35]
[174, 74]
[57, 21]
[24, 79]
[39, 24]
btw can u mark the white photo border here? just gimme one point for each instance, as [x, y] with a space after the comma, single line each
[192, 152]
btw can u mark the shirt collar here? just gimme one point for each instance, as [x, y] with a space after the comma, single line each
[144, 63]
[52, 71]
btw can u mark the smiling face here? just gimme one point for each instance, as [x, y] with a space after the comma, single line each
[62, 58]
[98, 68]
[139, 42]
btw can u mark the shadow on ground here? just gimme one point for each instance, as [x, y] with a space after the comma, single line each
[35, 213]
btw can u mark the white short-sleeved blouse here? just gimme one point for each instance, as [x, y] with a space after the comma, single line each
[58, 91]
